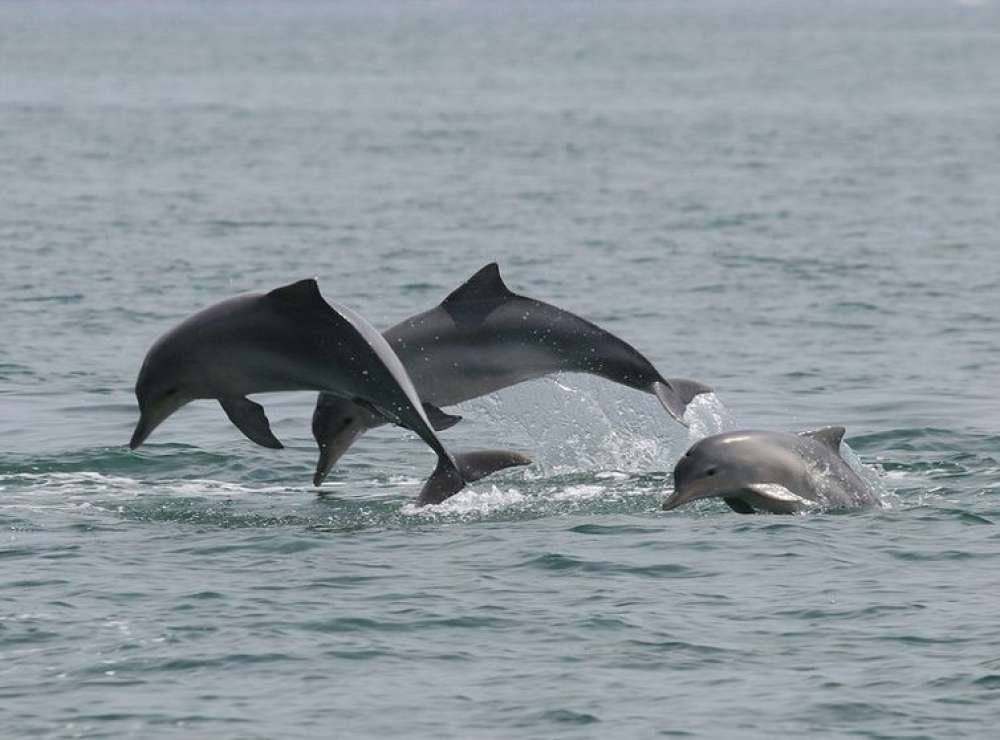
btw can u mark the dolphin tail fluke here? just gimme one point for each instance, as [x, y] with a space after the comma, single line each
[676, 393]
[448, 479]
[439, 419]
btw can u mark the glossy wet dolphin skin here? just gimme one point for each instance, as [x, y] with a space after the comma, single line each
[483, 338]
[775, 472]
[292, 339]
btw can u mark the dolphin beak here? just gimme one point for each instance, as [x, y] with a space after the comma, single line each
[674, 500]
[685, 494]
[333, 449]
[152, 416]
[142, 430]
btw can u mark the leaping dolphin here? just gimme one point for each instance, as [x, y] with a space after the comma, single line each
[293, 339]
[483, 338]
[770, 471]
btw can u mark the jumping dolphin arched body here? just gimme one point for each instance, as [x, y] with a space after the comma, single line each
[293, 339]
[483, 338]
[770, 471]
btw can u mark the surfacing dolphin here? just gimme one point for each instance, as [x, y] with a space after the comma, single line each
[483, 338]
[292, 339]
[777, 472]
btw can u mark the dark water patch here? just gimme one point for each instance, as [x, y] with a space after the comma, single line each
[10, 371]
[421, 287]
[20, 634]
[18, 524]
[949, 555]
[183, 631]
[559, 717]
[115, 461]
[927, 439]
[857, 711]
[178, 722]
[144, 666]
[205, 595]
[603, 623]
[227, 225]
[920, 640]
[92, 527]
[56, 298]
[275, 545]
[679, 646]
[566, 563]
[932, 513]
[359, 655]
[767, 524]
[196, 512]
[861, 613]
[364, 624]
[34, 583]
[608, 529]
[347, 582]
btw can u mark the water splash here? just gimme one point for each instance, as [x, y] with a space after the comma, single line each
[707, 415]
[887, 498]
[571, 423]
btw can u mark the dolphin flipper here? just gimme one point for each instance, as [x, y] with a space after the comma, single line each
[445, 481]
[439, 419]
[250, 419]
[676, 393]
[776, 499]
[738, 505]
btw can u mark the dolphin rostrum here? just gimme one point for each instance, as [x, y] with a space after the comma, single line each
[293, 339]
[483, 338]
[770, 471]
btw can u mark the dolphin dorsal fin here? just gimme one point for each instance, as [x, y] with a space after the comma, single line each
[484, 285]
[300, 293]
[830, 436]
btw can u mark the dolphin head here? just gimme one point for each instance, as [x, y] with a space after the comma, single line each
[336, 423]
[159, 389]
[726, 465]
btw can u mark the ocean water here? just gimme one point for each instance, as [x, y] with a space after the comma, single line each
[796, 202]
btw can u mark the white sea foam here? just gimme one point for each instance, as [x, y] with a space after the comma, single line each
[468, 502]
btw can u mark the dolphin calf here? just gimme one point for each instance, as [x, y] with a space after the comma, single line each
[483, 338]
[293, 339]
[770, 471]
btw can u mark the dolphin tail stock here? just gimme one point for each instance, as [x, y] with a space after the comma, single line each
[454, 471]
[676, 393]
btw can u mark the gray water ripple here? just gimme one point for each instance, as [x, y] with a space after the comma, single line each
[791, 204]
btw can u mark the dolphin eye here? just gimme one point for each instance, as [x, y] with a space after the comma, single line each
[711, 471]
[171, 392]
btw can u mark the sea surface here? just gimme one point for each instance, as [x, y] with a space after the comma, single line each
[795, 202]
